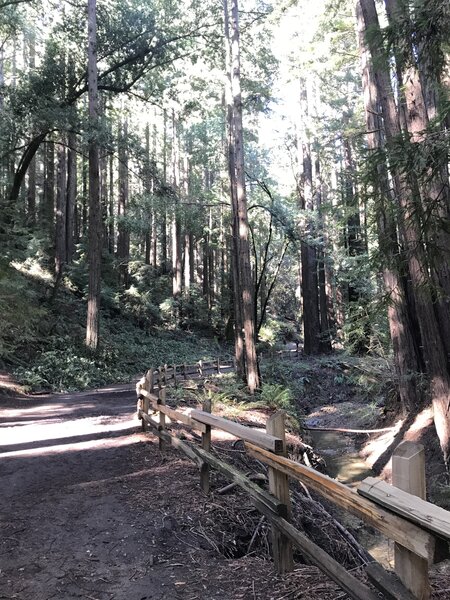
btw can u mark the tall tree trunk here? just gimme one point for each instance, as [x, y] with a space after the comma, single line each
[358, 338]
[325, 337]
[71, 195]
[123, 238]
[95, 215]
[104, 190]
[310, 290]
[244, 266]
[235, 281]
[111, 212]
[48, 202]
[176, 223]
[188, 238]
[31, 192]
[434, 189]
[406, 359]
[148, 217]
[433, 348]
[163, 259]
[61, 210]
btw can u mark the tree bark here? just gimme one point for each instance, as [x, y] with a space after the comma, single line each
[47, 208]
[123, 237]
[325, 337]
[310, 290]
[163, 259]
[406, 359]
[434, 189]
[31, 192]
[235, 282]
[71, 195]
[61, 210]
[95, 215]
[243, 263]
[176, 223]
[433, 350]
[111, 211]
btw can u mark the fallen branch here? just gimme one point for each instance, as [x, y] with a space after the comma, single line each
[343, 430]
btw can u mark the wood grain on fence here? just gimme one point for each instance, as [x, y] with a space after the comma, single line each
[401, 514]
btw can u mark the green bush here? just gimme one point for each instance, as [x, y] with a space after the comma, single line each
[276, 396]
[275, 332]
[21, 315]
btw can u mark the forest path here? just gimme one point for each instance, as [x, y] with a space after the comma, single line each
[89, 508]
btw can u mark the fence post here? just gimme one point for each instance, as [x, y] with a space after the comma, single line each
[175, 375]
[148, 386]
[162, 416]
[279, 487]
[200, 368]
[206, 445]
[408, 474]
[160, 377]
[218, 366]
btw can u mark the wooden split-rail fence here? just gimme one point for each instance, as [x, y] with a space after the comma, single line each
[420, 530]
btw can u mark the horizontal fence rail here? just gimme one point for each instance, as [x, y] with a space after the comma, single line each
[419, 529]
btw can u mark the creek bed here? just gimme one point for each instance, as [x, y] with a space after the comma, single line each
[344, 463]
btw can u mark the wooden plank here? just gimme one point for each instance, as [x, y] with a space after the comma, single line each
[206, 445]
[347, 582]
[140, 401]
[160, 378]
[418, 511]
[258, 495]
[147, 386]
[409, 535]
[259, 438]
[162, 416]
[279, 487]
[175, 415]
[408, 474]
[174, 441]
[388, 583]
[199, 456]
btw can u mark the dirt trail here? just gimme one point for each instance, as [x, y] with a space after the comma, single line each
[89, 508]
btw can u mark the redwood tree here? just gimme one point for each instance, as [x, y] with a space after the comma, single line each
[95, 217]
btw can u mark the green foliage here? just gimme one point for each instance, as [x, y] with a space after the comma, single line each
[126, 351]
[276, 332]
[276, 396]
[21, 314]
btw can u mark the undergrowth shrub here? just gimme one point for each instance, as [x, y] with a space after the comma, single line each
[21, 315]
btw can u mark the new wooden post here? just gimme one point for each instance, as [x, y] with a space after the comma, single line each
[206, 445]
[279, 487]
[148, 386]
[162, 416]
[408, 474]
